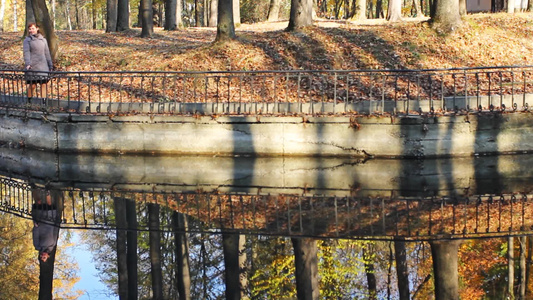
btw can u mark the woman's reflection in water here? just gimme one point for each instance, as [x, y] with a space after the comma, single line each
[45, 224]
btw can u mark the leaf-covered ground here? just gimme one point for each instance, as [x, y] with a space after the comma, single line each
[483, 40]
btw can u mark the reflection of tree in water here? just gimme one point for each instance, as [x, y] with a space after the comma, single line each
[341, 262]
[19, 265]
[18, 259]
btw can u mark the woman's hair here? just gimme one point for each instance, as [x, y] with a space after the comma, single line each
[33, 24]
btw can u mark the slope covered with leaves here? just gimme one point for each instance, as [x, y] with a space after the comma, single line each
[483, 40]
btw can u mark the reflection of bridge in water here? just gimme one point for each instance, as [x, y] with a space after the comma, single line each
[376, 199]
[309, 216]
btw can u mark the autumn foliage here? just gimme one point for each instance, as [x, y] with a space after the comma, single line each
[483, 40]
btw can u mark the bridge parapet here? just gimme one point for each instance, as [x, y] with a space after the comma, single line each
[381, 218]
[276, 92]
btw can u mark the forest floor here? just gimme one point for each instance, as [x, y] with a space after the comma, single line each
[483, 40]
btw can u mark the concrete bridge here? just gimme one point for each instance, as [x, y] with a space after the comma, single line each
[372, 113]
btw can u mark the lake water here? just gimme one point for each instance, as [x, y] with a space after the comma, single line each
[151, 218]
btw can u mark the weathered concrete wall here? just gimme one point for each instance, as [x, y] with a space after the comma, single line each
[355, 136]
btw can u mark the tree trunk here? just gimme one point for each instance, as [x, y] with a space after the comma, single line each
[446, 17]
[337, 9]
[418, 10]
[243, 268]
[67, 15]
[462, 8]
[179, 19]
[510, 267]
[147, 19]
[360, 10]
[170, 14]
[379, 9]
[510, 6]
[225, 26]
[30, 18]
[273, 10]
[236, 13]
[77, 13]
[301, 14]
[182, 256]
[131, 252]
[394, 13]
[2, 14]
[370, 274]
[93, 13]
[231, 261]
[205, 12]
[196, 14]
[15, 18]
[402, 270]
[528, 262]
[213, 13]
[445, 262]
[53, 5]
[530, 6]
[523, 266]
[42, 18]
[306, 262]
[155, 251]
[122, 261]
[123, 15]
[112, 16]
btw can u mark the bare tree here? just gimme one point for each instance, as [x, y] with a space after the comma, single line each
[30, 18]
[225, 25]
[2, 13]
[170, 14]
[155, 251]
[523, 266]
[123, 15]
[179, 222]
[510, 267]
[112, 16]
[236, 13]
[359, 10]
[147, 18]
[213, 12]
[445, 264]
[273, 10]
[306, 262]
[510, 6]
[418, 9]
[445, 15]
[462, 7]
[402, 270]
[301, 14]
[42, 18]
[232, 273]
[394, 13]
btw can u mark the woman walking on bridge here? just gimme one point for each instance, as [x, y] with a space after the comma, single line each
[36, 58]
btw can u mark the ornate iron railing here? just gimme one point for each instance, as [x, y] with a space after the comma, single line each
[404, 218]
[276, 92]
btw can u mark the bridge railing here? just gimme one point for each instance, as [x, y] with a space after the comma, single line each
[411, 218]
[275, 92]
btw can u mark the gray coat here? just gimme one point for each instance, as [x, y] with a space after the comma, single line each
[46, 229]
[37, 56]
